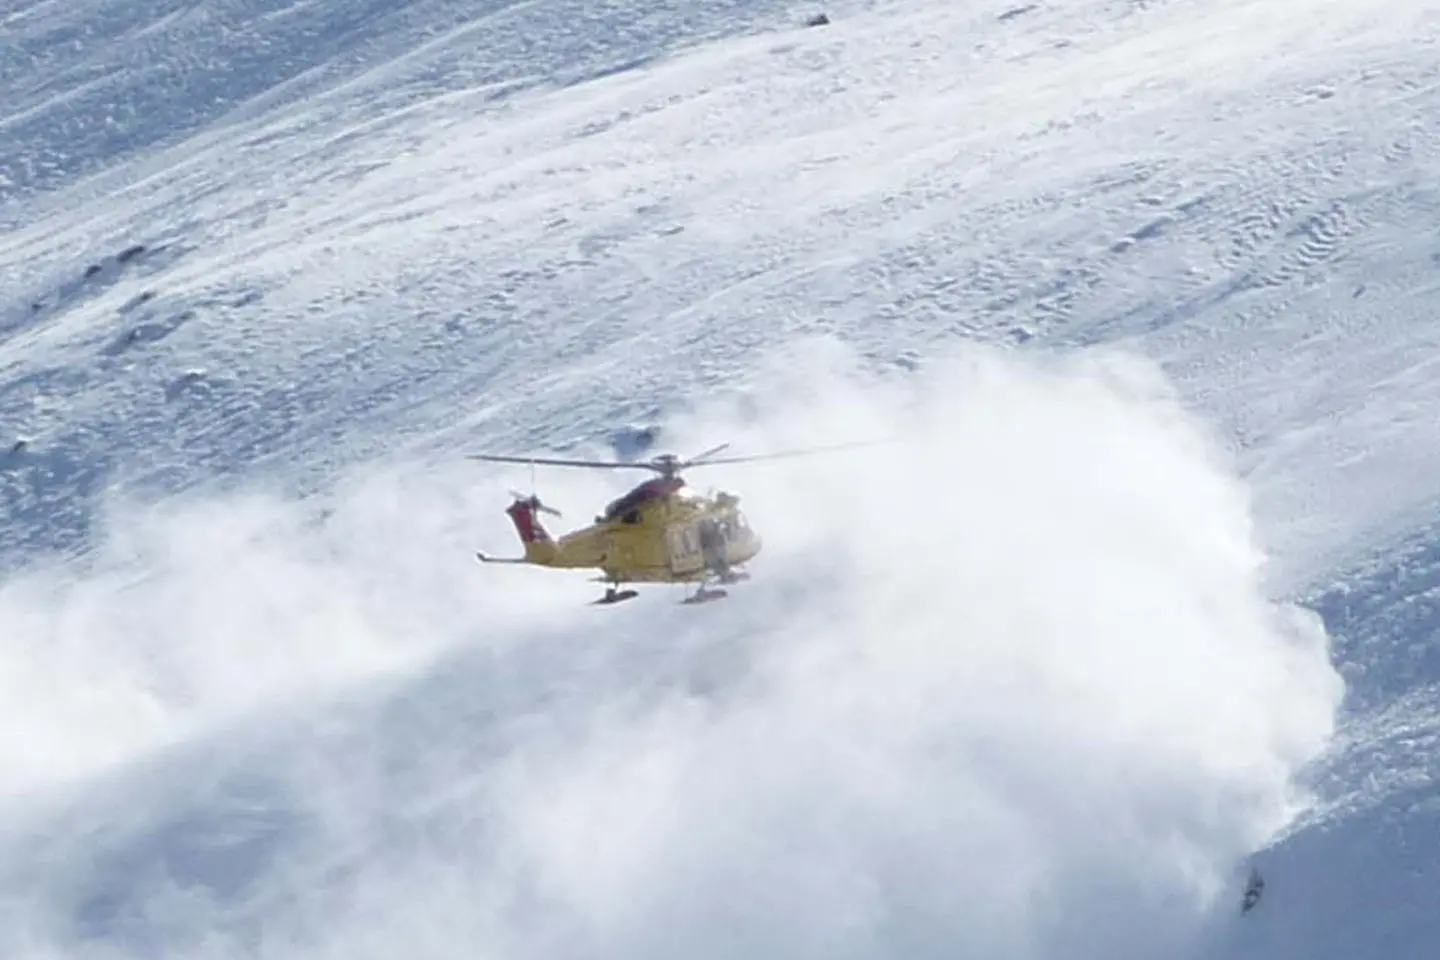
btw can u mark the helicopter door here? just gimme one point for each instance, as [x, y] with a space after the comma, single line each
[684, 545]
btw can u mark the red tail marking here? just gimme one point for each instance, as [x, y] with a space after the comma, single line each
[527, 525]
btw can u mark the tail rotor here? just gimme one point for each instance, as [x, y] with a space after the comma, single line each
[534, 502]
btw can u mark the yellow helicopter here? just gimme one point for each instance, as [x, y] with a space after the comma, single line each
[659, 531]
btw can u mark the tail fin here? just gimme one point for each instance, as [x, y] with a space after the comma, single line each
[539, 546]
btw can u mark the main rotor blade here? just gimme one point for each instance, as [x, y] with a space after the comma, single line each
[704, 457]
[786, 454]
[551, 462]
[669, 464]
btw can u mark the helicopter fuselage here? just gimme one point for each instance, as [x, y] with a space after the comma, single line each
[658, 532]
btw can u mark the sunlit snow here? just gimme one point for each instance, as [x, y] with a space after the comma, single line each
[1138, 596]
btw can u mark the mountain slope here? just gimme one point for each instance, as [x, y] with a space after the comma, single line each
[1024, 670]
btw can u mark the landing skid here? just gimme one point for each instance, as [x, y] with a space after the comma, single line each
[613, 596]
[704, 595]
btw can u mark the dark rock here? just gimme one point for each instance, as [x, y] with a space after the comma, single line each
[145, 296]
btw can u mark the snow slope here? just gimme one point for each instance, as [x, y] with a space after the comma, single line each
[270, 268]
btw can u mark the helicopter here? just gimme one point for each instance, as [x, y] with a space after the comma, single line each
[660, 531]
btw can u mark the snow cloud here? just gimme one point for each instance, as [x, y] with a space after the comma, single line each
[1009, 684]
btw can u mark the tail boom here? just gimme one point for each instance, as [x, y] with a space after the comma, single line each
[539, 545]
[579, 549]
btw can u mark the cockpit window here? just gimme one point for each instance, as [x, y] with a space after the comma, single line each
[624, 505]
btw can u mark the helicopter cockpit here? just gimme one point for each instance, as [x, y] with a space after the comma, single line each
[627, 508]
[733, 527]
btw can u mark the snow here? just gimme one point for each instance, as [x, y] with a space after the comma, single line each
[1141, 287]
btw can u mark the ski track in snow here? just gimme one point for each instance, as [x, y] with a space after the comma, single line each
[268, 246]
